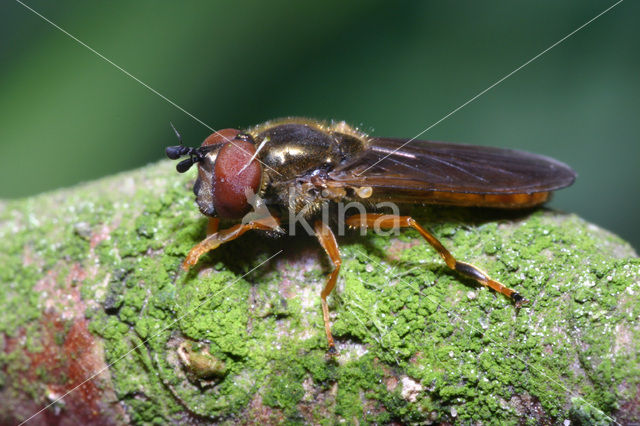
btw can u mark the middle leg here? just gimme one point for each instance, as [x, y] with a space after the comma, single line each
[329, 244]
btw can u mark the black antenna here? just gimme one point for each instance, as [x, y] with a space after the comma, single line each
[185, 165]
[178, 135]
[176, 151]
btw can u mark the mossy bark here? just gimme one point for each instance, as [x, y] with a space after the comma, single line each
[91, 285]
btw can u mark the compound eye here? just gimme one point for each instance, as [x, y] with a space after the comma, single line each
[221, 136]
[234, 171]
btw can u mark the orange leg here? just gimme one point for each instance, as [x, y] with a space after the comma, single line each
[329, 244]
[214, 240]
[212, 225]
[468, 270]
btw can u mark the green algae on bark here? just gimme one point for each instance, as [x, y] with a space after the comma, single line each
[417, 342]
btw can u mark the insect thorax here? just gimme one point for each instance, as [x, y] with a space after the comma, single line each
[298, 154]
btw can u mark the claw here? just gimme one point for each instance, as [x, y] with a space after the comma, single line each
[210, 243]
[520, 301]
[332, 352]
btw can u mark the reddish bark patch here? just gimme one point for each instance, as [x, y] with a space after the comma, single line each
[69, 360]
[55, 355]
[102, 234]
[259, 414]
[76, 275]
[629, 411]
[63, 299]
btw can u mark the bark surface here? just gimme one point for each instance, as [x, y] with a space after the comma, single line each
[94, 304]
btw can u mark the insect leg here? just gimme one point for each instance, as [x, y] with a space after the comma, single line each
[329, 244]
[212, 225]
[214, 240]
[466, 269]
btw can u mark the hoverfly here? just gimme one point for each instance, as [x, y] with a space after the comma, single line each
[297, 165]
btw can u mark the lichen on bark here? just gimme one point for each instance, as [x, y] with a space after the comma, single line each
[91, 281]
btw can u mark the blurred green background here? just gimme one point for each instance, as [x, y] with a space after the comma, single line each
[394, 68]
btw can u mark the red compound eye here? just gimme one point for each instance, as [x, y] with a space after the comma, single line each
[231, 177]
[221, 136]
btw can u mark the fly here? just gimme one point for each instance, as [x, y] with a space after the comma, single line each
[293, 167]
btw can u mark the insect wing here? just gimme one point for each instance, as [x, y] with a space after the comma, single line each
[420, 170]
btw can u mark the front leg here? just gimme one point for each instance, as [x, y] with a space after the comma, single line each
[212, 242]
[212, 225]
